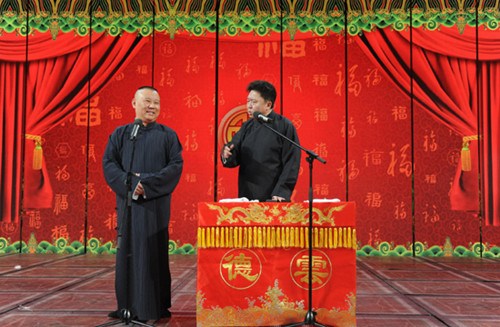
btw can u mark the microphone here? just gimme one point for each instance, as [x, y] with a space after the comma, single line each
[260, 117]
[135, 129]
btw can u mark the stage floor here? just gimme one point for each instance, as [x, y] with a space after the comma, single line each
[66, 290]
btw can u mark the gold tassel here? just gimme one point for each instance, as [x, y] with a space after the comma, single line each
[37, 151]
[273, 237]
[212, 236]
[256, 241]
[259, 237]
[354, 242]
[330, 238]
[268, 237]
[465, 156]
[224, 237]
[300, 237]
[226, 240]
[315, 230]
[297, 237]
[217, 237]
[37, 156]
[465, 153]
[278, 237]
[306, 238]
[200, 244]
[283, 237]
[348, 245]
[255, 237]
[234, 237]
[245, 237]
[238, 230]
[264, 237]
[203, 237]
[335, 238]
[287, 237]
[207, 237]
[321, 238]
[250, 237]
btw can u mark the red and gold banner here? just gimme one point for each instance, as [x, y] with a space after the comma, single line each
[253, 263]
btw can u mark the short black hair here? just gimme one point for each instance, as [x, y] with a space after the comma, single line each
[147, 87]
[266, 90]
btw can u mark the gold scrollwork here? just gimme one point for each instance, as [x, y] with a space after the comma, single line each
[296, 213]
[255, 213]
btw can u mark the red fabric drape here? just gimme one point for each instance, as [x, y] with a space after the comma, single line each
[57, 84]
[445, 84]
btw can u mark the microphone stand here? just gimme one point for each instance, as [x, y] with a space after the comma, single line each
[310, 318]
[125, 314]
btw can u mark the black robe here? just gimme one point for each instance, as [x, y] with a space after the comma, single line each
[268, 164]
[158, 160]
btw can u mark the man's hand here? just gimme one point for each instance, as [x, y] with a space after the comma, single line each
[277, 198]
[139, 190]
[226, 153]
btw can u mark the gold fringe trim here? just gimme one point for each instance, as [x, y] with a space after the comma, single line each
[276, 237]
[37, 152]
[465, 154]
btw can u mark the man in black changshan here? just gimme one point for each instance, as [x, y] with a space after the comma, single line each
[268, 164]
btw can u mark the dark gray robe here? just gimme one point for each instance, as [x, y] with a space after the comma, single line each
[268, 164]
[158, 160]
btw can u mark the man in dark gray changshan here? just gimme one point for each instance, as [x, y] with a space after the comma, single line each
[155, 172]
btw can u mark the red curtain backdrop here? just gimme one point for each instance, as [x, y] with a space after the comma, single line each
[184, 69]
[58, 72]
[445, 84]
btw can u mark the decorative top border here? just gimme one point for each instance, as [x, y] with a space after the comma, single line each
[260, 17]
[262, 214]
[296, 214]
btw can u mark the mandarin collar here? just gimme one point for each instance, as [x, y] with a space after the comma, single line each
[150, 125]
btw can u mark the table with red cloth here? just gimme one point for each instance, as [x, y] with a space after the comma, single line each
[253, 263]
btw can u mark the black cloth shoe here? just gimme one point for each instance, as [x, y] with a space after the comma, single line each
[166, 314]
[114, 314]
